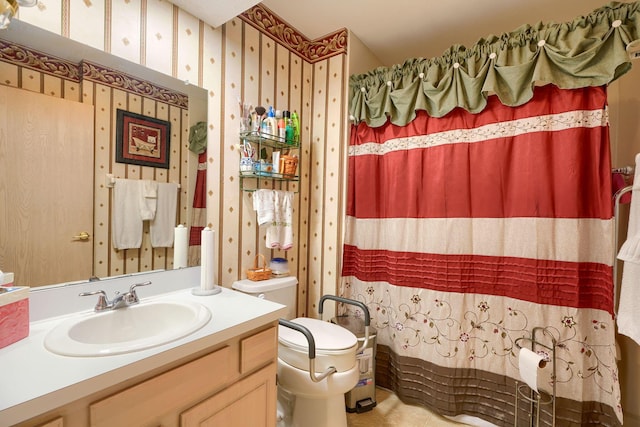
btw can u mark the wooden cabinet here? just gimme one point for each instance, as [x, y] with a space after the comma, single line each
[231, 384]
[58, 422]
[249, 402]
[166, 393]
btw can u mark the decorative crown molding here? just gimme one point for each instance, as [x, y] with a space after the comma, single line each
[119, 80]
[312, 50]
[29, 58]
[38, 61]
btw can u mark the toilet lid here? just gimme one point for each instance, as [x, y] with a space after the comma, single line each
[327, 336]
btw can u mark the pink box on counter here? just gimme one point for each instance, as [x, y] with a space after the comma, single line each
[14, 314]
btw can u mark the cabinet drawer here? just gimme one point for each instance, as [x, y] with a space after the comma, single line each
[258, 350]
[170, 391]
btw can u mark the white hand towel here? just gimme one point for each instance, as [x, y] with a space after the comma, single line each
[161, 229]
[629, 299]
[263, 204]
[126, 230]
[279, 234]
[148, 199]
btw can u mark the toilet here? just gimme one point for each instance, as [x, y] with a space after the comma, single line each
[316, 359]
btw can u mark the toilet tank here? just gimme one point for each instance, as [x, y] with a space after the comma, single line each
[282, 290]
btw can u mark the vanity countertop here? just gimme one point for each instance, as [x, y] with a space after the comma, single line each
[34, 380]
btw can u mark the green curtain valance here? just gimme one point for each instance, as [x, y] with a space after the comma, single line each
[588, 51]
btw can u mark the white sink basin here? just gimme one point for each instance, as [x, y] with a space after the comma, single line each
[128, 329]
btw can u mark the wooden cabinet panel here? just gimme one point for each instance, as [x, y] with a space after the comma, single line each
[234, 385]
[149, 400]
[58, 422]
[249, 402]
[258, 350]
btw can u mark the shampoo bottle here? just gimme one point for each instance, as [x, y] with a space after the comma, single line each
[296, 126]
[288, 127]
[272, 126]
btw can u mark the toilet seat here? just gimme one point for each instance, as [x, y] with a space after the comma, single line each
[335, 345]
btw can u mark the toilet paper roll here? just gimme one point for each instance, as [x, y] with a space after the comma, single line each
[529, 363]
[207, 266]
[206, 259]
[180, 247]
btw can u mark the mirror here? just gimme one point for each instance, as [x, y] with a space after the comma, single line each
[103, 96]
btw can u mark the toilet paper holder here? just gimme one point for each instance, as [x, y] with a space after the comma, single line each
[536, 399]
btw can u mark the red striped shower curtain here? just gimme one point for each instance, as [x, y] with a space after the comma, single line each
[199, 212]
[465, 232]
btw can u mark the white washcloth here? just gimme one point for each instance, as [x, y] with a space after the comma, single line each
[629, 252]
[150, 189]
[148, 199]
[161, 229]
[126, 221]
[263, 204]
[279, 234]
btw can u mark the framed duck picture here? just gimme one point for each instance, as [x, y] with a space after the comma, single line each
[142, 140]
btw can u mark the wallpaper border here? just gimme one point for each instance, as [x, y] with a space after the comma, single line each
[22, 56]
[312, 50]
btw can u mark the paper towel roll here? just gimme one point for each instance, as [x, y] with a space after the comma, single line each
[180, 247]
[529, 363]
[206, 259]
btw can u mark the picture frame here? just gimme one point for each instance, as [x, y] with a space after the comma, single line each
[142, 140]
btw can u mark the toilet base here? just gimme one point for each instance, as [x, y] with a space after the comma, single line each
[326, 412]
[303, 403]
[309, 412]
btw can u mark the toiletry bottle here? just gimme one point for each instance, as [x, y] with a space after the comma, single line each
[265, 128]
[296, 126]
[272, 126]
[281, 125]
[288, 127]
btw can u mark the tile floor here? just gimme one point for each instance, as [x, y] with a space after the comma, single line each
[391, 412]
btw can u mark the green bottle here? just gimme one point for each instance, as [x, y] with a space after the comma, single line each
[288, 127]
[296, 126]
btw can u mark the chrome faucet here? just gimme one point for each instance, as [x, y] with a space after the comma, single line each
[119, 301]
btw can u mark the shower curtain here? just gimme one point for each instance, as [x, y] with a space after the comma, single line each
[199, 212]
[465, 232]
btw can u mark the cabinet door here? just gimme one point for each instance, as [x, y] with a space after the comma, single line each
[58, 422]
[249, 402]
[144, 404]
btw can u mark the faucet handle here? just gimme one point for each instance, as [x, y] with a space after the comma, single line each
[103, 302]
[132, 296]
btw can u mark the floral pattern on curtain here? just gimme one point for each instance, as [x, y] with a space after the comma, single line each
[465, 232]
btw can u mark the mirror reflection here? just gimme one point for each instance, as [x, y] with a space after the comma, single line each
[59, 121]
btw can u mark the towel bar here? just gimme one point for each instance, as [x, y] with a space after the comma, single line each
[110, 180]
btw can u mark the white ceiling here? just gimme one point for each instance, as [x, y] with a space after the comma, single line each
[402, 29]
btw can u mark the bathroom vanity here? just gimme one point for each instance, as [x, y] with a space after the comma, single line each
[224, 373]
